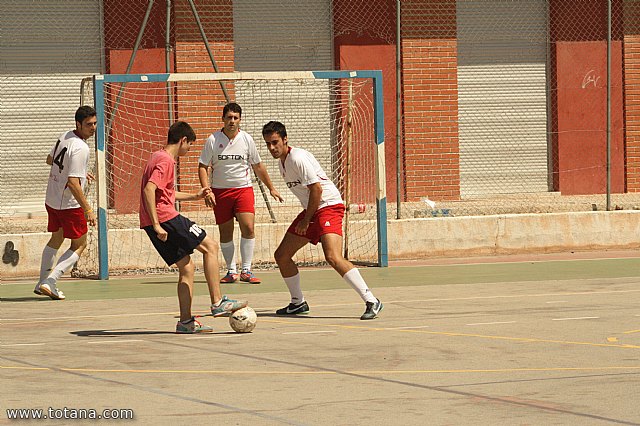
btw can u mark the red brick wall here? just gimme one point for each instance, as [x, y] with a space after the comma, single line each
[631, 61]
[216, 17]
[632, 110]
[429, 82]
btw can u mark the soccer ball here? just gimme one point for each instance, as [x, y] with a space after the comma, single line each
[243, 320]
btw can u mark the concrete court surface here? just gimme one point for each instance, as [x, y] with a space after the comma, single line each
[534, 340]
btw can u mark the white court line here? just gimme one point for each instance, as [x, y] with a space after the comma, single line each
[215, 336]
[114, 341]
[490, 323]
[24, 344]
[576, 318]
[309, 332]
[406, 328]
[557, 301]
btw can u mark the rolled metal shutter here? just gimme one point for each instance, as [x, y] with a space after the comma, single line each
[46, 49]
[502, 54]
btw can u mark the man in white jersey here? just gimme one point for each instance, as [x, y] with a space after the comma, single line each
[67, 207]
[320, 221]
[231, 153]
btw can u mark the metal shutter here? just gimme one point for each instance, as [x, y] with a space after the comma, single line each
[502, 96]
[304, 43]
[46, 49]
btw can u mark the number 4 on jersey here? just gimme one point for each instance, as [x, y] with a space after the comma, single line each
[59, 159]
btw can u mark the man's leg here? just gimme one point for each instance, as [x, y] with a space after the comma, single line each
[48, 259]
[247, 244]
[220, 304]
[209, 251]
[288, 247]
[65, 263]
[332, 248]
[186, 270]
[228, 249]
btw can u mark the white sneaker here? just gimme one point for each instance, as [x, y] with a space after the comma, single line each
[54, 293]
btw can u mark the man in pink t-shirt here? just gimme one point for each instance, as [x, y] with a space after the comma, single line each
[174, 236]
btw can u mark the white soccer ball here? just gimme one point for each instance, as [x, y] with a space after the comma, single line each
[243, 320]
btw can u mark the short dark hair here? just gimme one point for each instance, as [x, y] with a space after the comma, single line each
[233, 107]
[84, 112]
[274, 127]
[179, 130]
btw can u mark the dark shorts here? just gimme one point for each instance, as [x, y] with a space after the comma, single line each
[72, 221]
[327, 220]
[230, 201]
[184, 236]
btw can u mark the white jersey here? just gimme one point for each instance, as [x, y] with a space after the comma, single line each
[301, 169]
[70, 159]
[231, 159]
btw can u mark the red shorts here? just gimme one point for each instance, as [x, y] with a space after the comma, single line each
[230, 201]
[327, 220]
[72, 222]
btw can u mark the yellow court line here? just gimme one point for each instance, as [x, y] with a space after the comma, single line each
[446, 333]
[631, 331]
[325, 372]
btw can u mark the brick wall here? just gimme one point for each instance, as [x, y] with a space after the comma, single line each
[632, 111]
[429, 82]
[216, 17]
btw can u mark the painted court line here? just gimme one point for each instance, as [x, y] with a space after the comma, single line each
[114, 341]
[557, 301]
[214, 336]
[407, 327]
[491, 323]
[575, 318]
[310, 332]
[325, 372]
[24, 344]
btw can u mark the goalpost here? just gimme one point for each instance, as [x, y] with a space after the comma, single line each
[336, 115]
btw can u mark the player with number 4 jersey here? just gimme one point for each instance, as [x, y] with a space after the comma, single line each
[174, 236]
[67, 207]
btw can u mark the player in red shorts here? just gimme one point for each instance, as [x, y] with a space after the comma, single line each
[231, 153]
[67, 207]
[320, 221]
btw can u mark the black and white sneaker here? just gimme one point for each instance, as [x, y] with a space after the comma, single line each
[293, 309]
[372, 311]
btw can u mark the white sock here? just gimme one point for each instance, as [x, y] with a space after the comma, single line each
[229, 254]
[65, 263]
[47, 262]
[355, 280]
[293, 283]
[246, 251]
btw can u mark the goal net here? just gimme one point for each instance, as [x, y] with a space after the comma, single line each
[337, 116]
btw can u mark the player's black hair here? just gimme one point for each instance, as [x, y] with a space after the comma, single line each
[274, 127]
[84, 112]
[233, 107]
[178, 130]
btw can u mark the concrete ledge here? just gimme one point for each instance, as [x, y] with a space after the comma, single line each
[408, 239]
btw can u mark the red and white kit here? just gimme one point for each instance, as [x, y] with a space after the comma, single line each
[231, 159]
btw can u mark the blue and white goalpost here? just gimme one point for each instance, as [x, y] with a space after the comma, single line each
[134, 112]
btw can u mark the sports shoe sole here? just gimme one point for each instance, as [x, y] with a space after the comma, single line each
[225, 313]
[46, 292]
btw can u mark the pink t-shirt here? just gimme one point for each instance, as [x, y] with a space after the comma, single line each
[160, 169]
